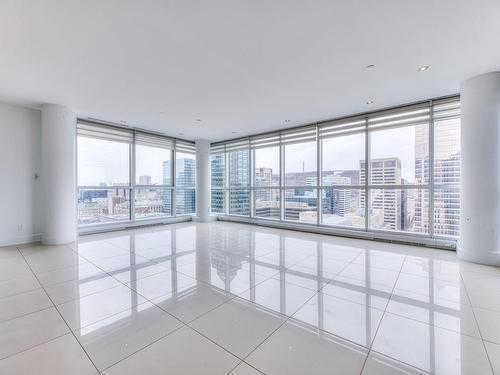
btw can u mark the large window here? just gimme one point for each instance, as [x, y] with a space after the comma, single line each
[140, 164]
[301, 176]
[103, 162]
[343, 145]
[395, 170]
[399, 161]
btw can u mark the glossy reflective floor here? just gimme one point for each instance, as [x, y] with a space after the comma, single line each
[220, 298]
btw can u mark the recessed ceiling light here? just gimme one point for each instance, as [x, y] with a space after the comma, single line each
[234, 132]
[371, 66]
[198, 120]
[287, 121]
[123, 121]
[371, 101]
[423, 68]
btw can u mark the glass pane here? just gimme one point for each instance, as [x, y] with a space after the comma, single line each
[300, 164]
[218, 201]
[238, 168]
[421, 222]
[153, 203]
[185, 201]
[343, 207]
[239, 202]
[153, 165]
[395, 209]
[218, 170]
[399, 156]
[342, 158]
[447, 151]
[267, 166]
[103, 206]
[301, 205]
[267, 203]
[185, 170]
[102, 163]
[447, 212]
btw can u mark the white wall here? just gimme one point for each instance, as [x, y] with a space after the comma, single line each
[20, 142]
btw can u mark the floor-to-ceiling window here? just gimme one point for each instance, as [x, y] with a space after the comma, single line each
[126, 175]
[394, 171]
[343, 145]
[301, 175]
[266, 176]
[398, 169]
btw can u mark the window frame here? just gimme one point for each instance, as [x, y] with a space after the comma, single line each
[178, 145]
[410, 115]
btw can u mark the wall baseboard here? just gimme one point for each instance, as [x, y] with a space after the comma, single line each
[21, 240]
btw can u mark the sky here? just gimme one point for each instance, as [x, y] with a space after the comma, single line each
[345, 153]
[101, 161]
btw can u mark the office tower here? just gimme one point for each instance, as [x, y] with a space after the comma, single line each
[387, 205]
[446, 171]
[145, 180]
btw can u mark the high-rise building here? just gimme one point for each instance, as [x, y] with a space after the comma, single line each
[185, 194]
[446, 171]
[145, 180]
[337, 201]
[387, 205]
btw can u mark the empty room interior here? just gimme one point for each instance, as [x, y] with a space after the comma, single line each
[249, 187]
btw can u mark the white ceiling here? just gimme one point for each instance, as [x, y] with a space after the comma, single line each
[241, 67]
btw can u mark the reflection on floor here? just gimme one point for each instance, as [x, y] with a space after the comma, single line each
[219, 298]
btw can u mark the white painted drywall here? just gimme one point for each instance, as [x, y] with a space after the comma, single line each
[20, 134]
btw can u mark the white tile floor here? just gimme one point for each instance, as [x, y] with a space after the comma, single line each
[222, 298]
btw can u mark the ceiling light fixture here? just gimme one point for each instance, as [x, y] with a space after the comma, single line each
[198, 120]
[371, 101]
[181, 133]
[423, 68]
[287, 121]
[371, 66]
[234, 132]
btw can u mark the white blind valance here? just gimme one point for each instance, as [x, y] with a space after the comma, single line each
[236, 145]
[265, 140]
[299, 135]
[341, 127]
[405, 116]
[185, 146]
[151, 140]
[443, 109]
[104, 132]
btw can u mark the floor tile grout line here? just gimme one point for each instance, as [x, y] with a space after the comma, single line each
[385, 310]
[182, 323]
[288, 317]
[65, 322]
[26, 314]
[144, 347]
[477, 324]
[398, 361]
[382, 318]
[35, 346]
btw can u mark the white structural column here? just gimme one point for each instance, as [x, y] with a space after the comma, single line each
[58, 174]
[203, 180]
[480, 143]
